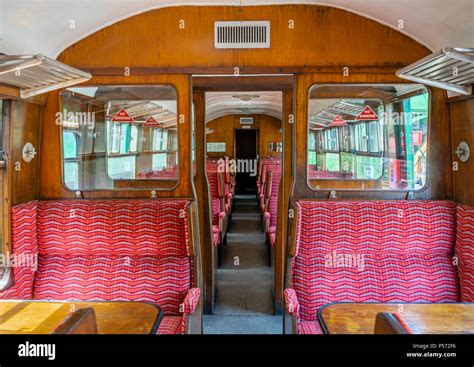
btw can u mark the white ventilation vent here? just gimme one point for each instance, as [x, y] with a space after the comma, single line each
[246, 34]
[246, 120]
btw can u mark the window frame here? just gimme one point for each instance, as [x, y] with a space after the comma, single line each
[137, 184]
[317, 184]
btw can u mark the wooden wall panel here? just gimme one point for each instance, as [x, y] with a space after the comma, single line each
[462, 119]
[25, 127]
[209, 266]
[268, 131]
[51, 186]
[321, 36]
[440, 185]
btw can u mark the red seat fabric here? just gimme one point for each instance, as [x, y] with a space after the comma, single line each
[219, 210]
[170, 325]
[465, 251]
[373, 251]
[24, 243]
[310, 327]
[270, 216]
[105, 250]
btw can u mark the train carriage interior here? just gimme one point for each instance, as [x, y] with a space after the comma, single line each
[240, 167]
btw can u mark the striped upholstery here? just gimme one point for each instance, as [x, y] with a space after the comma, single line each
[218, 209]
[465, 251]
[270, 216]
[373, 251]
[24, 244]
[170, 325]
[114, 250]
[107, 250]
[275, 168]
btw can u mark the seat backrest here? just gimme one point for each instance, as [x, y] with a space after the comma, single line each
[374, 251]
[25, 248]
[217, 202]
[274, 191]
[465, 251]
[114, 250]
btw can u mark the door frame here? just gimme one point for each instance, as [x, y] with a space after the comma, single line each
[259, 82]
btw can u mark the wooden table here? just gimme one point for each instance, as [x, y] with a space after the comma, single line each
[42, 317]
[434, 318]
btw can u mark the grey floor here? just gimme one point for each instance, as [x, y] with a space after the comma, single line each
[244, 281]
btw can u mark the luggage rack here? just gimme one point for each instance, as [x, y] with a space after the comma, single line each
[450, 68]
[36, 74]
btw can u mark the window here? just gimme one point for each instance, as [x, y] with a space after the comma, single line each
[114, 133]
[370, 132]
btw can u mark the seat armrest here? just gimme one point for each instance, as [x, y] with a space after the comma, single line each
[191, 322]
[292, 311]
[222, 216]
[191, 301]
[291, 302]
[266, 222]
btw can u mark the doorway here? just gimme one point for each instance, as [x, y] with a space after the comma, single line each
[246, 153]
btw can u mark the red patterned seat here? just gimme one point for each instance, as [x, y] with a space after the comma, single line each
[218, 203]
[106, 250]
[271, 205]
[371, 251]
[465, 251]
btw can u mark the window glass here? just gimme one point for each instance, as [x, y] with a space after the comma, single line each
[111, 132]
[369, 132]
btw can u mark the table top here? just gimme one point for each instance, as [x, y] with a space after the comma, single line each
[421, 318]
[42, 317]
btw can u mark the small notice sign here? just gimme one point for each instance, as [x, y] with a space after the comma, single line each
[151, 121]
[122, 116]
[337, 121]
[367, 114]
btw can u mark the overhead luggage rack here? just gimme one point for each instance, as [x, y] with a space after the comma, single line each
[36, 74]
[450, 68]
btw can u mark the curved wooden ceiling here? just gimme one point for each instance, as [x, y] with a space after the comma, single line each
[219, 104]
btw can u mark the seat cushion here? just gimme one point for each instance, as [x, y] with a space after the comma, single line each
[374, 251]
[114, 250]
[309, 327]
[170, 325]
[164, 282]
[24, 245]
[465, 251]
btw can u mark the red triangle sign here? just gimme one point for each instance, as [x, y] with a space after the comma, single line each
[151, 121]
[367, 114]
[337, 121]
[122, 116]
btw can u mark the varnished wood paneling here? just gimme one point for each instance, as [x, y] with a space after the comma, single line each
[321, 36]
[25, 128]
[462, 120]
[439, 173]
[51, 186]
[268, 131]
[36, 317]
[283, 201]
[359, 318]
[209, 267]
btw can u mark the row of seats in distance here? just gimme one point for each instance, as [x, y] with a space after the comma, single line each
[109, 250]
[221, 193]
[376, 251]
[268, 186]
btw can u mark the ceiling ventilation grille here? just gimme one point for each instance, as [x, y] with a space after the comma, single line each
[245, 34]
